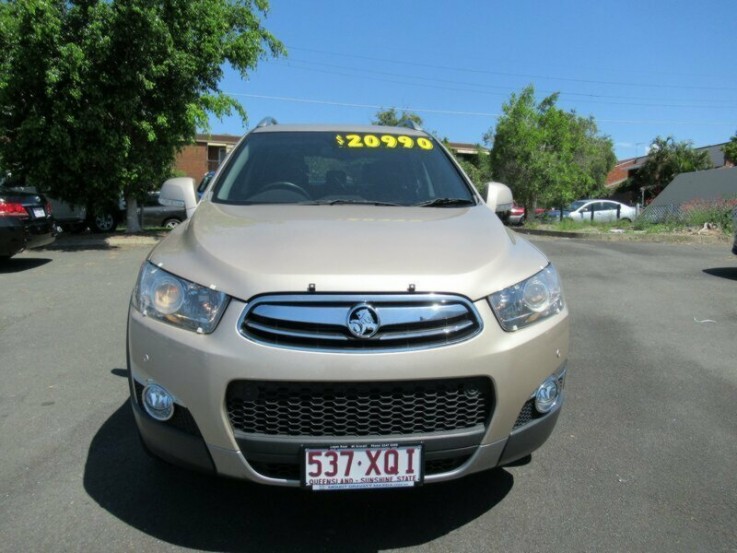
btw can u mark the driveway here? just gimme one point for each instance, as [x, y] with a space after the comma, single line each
[643, 458]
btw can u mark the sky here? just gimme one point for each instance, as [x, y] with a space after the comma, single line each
[641, 69]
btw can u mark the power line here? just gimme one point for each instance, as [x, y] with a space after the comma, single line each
[454, 112]
[487, 92]
[354, 105]
[507, 74]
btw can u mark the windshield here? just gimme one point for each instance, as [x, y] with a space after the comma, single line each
[575, 205]
[338, 168]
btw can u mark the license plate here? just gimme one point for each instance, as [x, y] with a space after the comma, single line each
[345, 468]
[38, 212]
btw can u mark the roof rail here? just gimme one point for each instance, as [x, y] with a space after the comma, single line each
[408, 123]
[266, 122]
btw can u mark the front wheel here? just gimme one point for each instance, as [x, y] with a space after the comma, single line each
[171, 223]
[103, 222]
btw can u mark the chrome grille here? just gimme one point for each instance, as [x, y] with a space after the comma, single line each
[320, 322]
[359, 408]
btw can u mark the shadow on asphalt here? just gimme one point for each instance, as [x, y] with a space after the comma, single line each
[18, 265]
[83, 247]
[730, 273]
[216, 514]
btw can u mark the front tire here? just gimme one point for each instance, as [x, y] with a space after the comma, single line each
[103, 222]
[171, 223]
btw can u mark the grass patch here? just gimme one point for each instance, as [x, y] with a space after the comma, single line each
[569, 225]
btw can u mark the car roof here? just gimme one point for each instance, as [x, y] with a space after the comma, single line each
[342, 128]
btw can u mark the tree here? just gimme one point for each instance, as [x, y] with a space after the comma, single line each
[391, 118]
[545, 153]
[116, 88]
[730, 149]
[666, 160]
[579, 160]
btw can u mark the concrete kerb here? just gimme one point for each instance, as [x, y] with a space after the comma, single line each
[120, 240]
[69, 241]
[674, 238]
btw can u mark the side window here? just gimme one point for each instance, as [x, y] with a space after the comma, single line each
[152, 200]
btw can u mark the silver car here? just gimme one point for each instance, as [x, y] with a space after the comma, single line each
[596, 211]
[341, 310]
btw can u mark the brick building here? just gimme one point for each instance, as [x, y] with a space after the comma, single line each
[206, 154]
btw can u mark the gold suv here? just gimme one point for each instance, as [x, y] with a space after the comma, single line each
[342, 310]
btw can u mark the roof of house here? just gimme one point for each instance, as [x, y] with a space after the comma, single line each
[625, 167]
[712, 184]
[466, 148]
[715, 153]
[217, 138]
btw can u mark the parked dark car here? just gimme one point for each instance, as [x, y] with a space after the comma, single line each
[25, 222]
[108, 218]
[202, 186]
[75, 218]
[157, 215]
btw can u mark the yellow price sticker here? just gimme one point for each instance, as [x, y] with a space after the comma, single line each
[382, 141]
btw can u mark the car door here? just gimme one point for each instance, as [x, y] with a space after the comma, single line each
[152, 210]
[583, 213]
[605, 212]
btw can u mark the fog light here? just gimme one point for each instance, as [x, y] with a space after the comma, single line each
[547, 395]
[158, 402]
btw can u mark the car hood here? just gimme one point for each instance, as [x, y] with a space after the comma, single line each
[249, 250]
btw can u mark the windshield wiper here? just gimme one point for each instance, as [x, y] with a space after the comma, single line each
[446, 202]
[349, 202]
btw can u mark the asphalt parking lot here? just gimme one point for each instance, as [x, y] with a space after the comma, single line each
[644, 456]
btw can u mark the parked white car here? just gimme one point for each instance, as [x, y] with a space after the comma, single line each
[596, 211]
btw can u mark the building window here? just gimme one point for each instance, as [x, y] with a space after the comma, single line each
[215, 156]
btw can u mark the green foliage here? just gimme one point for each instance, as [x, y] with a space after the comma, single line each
[570, 225]
[666, 160]
[730, 149]
[391, 118]
[666, 226]
[116, 87]
[546, 154]
[475, 166]
[475, 174]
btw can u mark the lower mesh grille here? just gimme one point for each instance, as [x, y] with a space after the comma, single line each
[359, 408]
[527, 414]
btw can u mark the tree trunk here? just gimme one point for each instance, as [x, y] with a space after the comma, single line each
[132, 220]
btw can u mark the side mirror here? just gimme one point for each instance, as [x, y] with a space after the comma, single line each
[179, 192]
[499, 197]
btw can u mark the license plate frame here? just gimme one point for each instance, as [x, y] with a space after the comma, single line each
[358, 467]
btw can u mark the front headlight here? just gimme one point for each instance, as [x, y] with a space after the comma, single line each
[531, 300]
[176, 301]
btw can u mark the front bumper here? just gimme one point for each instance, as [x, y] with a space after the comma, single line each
[198, 371]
